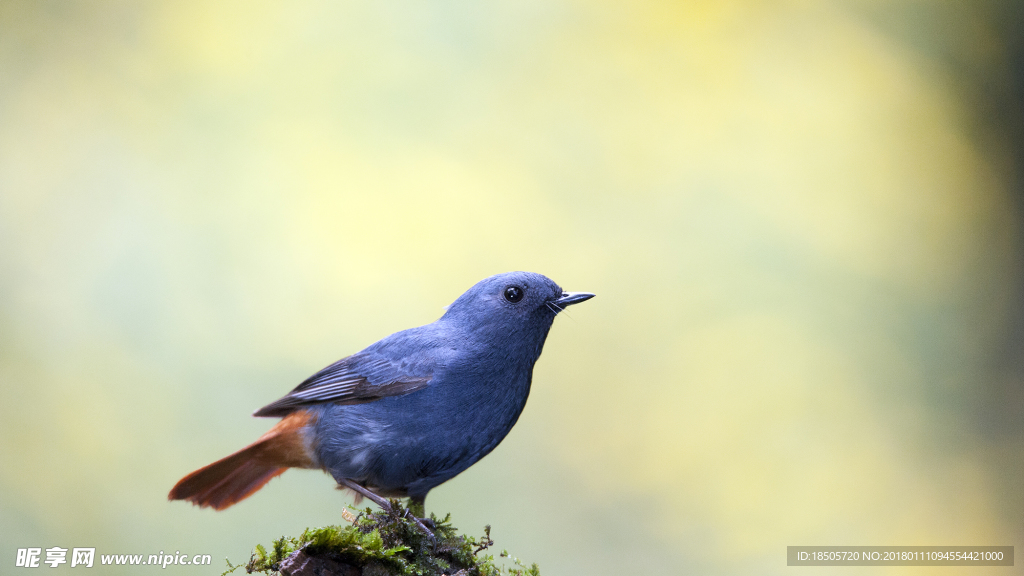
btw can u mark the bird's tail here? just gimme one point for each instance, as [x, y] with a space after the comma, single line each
[236, 477]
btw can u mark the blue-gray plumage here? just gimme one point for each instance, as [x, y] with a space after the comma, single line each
[410, 411]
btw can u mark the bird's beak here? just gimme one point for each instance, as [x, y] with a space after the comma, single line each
[570, 298]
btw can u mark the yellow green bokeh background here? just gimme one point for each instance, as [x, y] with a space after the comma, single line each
[802, 220]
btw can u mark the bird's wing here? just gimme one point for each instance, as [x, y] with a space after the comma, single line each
[360, 378]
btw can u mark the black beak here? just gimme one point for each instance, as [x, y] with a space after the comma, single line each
[570, 298]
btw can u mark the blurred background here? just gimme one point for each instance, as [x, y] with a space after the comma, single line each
[803, 221]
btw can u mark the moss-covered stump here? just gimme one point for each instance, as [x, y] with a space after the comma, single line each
[383, 544]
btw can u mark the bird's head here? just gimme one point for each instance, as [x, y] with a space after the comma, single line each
[519, 304]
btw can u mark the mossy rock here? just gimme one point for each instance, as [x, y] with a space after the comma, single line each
[385, 543]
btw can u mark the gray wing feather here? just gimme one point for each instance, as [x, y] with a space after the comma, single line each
[360, 378]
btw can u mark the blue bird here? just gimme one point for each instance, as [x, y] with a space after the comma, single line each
[410, 411]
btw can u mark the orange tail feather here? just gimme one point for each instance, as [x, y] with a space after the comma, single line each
[236, 477]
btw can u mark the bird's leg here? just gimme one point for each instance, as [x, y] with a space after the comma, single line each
[422, 526]
[383, 503]
[386, 506]
[417, 507]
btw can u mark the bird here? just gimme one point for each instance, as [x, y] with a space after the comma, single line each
[408, 412]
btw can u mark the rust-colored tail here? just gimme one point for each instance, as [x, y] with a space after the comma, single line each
[234, 478]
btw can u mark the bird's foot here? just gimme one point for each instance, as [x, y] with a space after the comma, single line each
[428, 522]
[422, 524]
[416, 511]
[387, 507]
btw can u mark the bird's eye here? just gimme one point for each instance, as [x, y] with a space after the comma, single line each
[513, 294]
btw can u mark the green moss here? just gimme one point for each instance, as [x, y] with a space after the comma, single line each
[391, 543]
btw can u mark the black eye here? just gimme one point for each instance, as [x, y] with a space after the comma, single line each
[513, 294]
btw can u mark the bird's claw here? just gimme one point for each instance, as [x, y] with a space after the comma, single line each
[421, 523]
